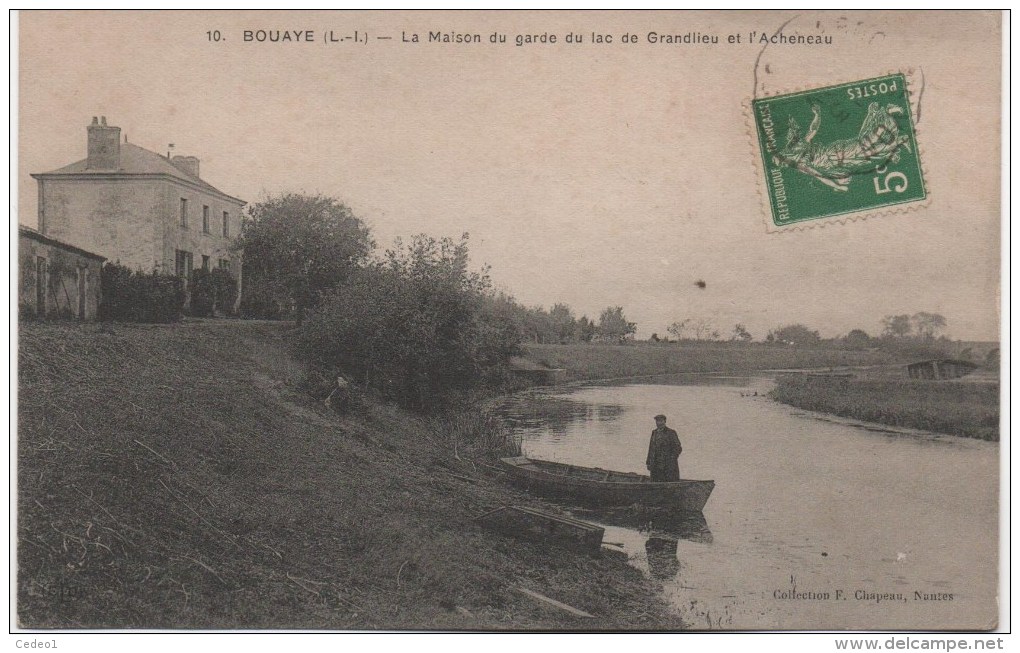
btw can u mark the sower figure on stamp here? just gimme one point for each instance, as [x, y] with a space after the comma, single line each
[663, 450]
[834, 164]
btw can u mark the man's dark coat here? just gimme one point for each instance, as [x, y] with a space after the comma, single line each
[663, 451]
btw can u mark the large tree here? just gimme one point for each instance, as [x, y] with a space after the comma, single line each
[857, 338]
[796, 334]
[586, 329]
[896, 326]
[564, 322]
[296, 247]
[927, 325]
[613, 325]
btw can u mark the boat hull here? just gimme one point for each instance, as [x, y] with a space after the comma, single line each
[605, 487]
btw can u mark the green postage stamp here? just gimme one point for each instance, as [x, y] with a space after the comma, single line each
[839, 150]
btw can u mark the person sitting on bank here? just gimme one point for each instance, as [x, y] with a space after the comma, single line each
[663, 451]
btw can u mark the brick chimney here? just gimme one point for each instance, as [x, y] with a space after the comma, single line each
[104, 146]
[188, 164]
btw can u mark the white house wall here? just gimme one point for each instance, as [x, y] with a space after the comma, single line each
[111, 217]
[192, 239]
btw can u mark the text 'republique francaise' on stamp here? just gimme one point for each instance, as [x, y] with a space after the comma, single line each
[838, 152]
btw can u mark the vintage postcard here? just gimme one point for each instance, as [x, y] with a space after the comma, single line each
[508, 321]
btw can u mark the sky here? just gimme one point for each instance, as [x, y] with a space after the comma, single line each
[595, 175]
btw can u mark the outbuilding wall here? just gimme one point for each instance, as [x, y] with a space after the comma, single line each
[56, 280]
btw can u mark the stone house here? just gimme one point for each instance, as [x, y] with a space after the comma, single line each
[139, 208]
[56, 279]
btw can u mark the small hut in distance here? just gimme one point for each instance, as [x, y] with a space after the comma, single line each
[940, 368]
[535, 372]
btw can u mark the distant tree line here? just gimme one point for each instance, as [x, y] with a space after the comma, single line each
[920, 329]
[925, 326]
[559, 325]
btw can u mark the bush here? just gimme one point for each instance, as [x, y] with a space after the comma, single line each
[130, 296]
[417, 328]
[212, 291]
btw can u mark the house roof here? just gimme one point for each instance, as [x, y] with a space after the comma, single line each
[28, 232]
[135, 160]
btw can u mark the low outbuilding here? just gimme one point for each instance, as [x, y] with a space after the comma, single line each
[56, 279]
[536, 373]
[940, 368]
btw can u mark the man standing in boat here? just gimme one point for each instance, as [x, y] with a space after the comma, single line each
[663, 451]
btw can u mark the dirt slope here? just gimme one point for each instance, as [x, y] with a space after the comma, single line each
[174, 477]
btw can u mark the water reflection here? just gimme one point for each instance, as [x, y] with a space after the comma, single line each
[660, 552]
[836, 505]
[542, 412]
[690, 526]
[661, 529]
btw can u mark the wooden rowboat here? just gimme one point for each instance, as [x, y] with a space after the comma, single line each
[605, 487]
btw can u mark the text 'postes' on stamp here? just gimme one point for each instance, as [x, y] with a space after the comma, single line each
[839, 150]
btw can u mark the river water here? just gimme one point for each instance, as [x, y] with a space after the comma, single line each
[814, 524]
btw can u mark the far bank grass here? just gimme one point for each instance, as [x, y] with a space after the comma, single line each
[584, 362]
[960, 408]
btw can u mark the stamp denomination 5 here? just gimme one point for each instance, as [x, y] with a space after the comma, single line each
[839, 150]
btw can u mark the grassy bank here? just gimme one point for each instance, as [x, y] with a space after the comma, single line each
[600, 361]
[957, 408]
[173, 476]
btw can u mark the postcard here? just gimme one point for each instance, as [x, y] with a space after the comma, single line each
[509, 320]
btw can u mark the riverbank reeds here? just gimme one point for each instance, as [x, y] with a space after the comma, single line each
[963, 408]
[475, 434]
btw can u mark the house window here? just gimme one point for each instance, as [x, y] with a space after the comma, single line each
[225, 264]
[184, 213]
[226, 225]
[205, 262]
[183, 264]
[205, 219]
[40, 285]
